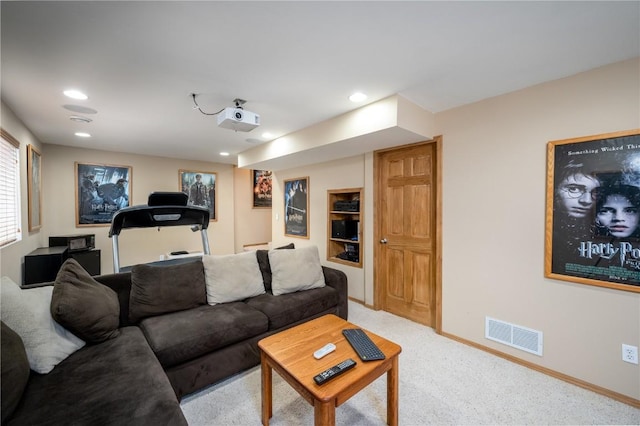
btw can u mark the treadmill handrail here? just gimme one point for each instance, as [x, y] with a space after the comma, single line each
[144, 216]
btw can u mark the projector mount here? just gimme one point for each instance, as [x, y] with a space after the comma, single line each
[237, 102]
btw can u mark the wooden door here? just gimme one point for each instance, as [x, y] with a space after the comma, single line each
[406, 250]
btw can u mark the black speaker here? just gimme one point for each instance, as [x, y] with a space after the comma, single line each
[344, 229]
[74, 242]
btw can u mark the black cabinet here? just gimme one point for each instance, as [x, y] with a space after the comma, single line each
[43, 264]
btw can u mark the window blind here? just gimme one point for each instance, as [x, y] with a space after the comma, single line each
[9, 189]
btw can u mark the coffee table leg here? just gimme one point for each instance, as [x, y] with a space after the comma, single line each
[392, 393]
[324, 413]
[265, 369]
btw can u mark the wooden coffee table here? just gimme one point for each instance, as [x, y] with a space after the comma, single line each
[290, 354]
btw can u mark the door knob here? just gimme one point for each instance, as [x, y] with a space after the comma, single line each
[383, 241]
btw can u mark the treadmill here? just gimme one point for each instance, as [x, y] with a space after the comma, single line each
[162, 209]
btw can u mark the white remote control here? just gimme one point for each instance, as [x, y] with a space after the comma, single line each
[326, 349]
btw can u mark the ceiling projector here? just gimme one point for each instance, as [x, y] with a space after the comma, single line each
[238, 119]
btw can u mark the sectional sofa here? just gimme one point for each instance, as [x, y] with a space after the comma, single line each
[129, 346]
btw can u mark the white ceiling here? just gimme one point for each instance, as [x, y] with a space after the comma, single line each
[294, 62]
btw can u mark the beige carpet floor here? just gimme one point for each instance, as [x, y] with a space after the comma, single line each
[442, 382]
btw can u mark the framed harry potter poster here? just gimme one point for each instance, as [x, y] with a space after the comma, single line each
[296, 207]
[101, 190]
[201, 189]
[261, 182]
[593, 210]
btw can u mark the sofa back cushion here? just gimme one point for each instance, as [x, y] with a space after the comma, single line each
[15, 370]
[157, 290]
[87, 308]
[265, 267]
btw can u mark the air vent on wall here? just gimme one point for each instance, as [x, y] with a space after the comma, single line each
[516, 336]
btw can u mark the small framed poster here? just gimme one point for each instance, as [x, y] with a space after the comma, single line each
[201, 189]
[261, 182]
[296, 207]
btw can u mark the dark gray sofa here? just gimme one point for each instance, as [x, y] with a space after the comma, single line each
[138, 377]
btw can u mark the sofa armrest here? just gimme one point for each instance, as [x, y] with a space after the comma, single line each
[121, 284]
[338, 280]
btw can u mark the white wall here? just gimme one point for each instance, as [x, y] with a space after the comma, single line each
[494, 175]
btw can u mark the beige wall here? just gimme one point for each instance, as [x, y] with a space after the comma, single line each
[253, 225]
[494, 168]
[344, 173]
[494, 171]
[11, 256]
[149, 174]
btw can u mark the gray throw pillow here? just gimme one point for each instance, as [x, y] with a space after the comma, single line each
[157, 290]
[296, 270]
[232, 277]
[85, 307]
[265, 266]
[15, 370]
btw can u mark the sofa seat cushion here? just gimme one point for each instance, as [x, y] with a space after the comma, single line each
[182, 336]
[286, 309]
[116, 382]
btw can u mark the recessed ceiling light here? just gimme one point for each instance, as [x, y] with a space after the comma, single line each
[82, 134]
[357, 97]
[75, 94]
[267, 135]
[224, 154]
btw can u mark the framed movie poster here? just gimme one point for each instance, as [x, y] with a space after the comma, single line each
[101, 190]
[296, 207]
[201, 189]
[261, 181]
[34, 187]
[593, 210]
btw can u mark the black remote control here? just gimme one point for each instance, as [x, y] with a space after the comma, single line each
[334, 371]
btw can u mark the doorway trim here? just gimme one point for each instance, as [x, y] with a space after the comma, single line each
[377, 287]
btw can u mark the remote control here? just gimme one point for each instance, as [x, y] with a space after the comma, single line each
[326, 349]
[334, 371]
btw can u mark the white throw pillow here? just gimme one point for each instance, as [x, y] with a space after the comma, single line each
[295, 270]
[232, 277]
[28, 313]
